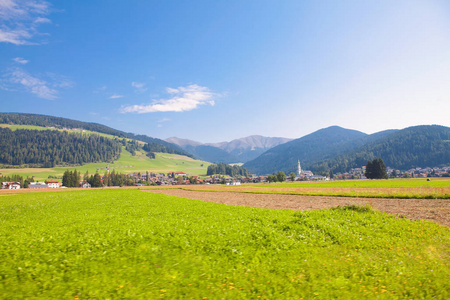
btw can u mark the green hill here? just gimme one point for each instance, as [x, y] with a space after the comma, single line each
[47, 148]
[418, 146]
[29, 149]
[60, 123]
[127, 163]
[322, 144]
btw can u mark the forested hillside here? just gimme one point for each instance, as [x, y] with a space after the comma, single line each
[418, 146]
[48, 148]
[42, 120]
[340, 149]
[317, 146]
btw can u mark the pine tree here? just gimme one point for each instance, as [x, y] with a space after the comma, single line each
[376, 169]
[97, 181]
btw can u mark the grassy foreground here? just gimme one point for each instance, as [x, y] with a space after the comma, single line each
[115, 244]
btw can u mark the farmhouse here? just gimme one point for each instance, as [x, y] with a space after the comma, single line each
[54, 184]
[11, 185]
[85, 185]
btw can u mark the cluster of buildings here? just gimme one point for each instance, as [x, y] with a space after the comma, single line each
[53, 184]
[181, 178]
[358, 173]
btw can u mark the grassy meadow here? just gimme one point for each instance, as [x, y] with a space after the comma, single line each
[436, 188]
[130, 244]
[127, 163]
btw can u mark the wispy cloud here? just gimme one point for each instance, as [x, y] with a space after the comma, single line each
[19, 20]
[116, 96]
[139, 87]
[34, 85]
[43, 86]
[20, 60]
[183, 99]
[160, 122]
[99, 90]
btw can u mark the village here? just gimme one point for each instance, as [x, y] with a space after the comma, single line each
[181, 178]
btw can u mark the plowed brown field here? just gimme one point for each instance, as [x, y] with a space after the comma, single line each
[437, 210]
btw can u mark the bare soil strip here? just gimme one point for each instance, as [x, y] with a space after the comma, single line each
[437, 210]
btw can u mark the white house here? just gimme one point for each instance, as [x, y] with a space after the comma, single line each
[52, 184]
[11, 185]
[85, 185]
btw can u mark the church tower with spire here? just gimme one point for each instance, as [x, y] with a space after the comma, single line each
[299, 169]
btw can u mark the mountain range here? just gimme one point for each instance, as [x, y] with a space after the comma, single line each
[339, 149]
[236, 151]
[329, 149]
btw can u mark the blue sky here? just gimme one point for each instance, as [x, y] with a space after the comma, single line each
[218, 70]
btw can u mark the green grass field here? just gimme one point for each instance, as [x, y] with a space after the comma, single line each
[390, 183]
[437, 188]
[127, 163]
[129, 244]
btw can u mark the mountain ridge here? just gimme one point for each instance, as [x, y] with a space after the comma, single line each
[234, 151]
[339, 149]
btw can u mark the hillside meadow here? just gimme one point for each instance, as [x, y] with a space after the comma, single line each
[436, 188]
[127, 163]
[128, 244]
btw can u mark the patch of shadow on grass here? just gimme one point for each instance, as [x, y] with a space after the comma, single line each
[353, 207]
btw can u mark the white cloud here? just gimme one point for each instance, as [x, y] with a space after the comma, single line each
[139, 86]
[164, 120]
[20, 60]
[116, 96]
[184, 99]
[19, 20]
[34, 85]
[43, 86]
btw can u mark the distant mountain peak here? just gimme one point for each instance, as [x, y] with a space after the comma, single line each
[182, 142]
[241, 150]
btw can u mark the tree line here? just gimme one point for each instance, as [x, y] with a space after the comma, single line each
[24, 182]
[48, 148]
[157, 145]
[224, 169]
[73, 179]
[280, 177]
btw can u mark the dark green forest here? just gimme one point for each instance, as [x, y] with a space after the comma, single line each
[224, 169]
[418, 146]
[49, 148]
[337, 149]
[43, 121]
